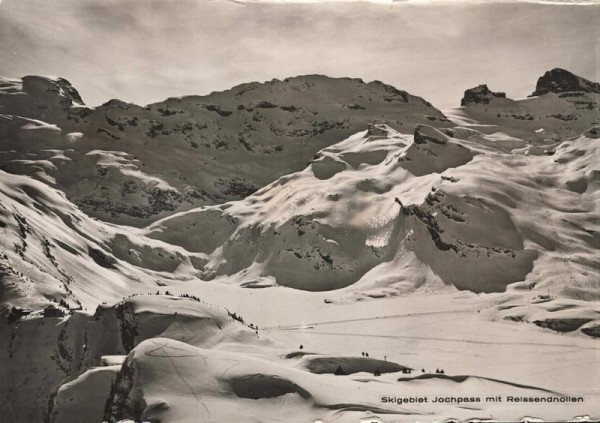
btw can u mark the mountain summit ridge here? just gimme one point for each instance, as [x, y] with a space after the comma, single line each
[560, 81]
[133, 164]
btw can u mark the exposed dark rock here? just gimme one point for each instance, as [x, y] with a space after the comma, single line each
[129, 326]
[217, 110]
[559, 81]
[290, 109]
[566, 117]
[125, 401]
[480, 95]
[562, 325]
[52, 311]
[377, 130]
[355, 107]
[266, 105]
[101, 258]
[592, 330]
[432, 226]
[260, 386]
[42, 86]
[593, 132]
[15, 314]
[424, 134]
[236, 187]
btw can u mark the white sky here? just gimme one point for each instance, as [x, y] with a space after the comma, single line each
[148, 50]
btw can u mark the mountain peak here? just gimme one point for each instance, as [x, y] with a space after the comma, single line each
[43, 85]
[480, 94]
[560, 80]
[47, 98]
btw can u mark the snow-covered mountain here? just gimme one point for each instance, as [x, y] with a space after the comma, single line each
[380, 208]
[129, 164]
[341, 205]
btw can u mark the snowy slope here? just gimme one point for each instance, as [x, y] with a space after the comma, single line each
[53, 253]
[374, 208]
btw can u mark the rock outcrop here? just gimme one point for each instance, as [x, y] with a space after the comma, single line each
[561, 81]
[481, 94]
[45, 98]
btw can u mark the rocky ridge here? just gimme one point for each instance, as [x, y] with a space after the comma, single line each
[559, 81]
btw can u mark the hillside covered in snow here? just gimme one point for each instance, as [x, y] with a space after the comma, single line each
[130, 164]
[298, 250]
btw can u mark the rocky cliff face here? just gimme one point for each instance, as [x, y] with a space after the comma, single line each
[562, 81]
[38, 97]
[480, 95]
[129, 164]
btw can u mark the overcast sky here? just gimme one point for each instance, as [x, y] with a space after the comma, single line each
[148, 50]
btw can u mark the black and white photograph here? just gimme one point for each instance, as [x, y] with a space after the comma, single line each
[299, 211]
